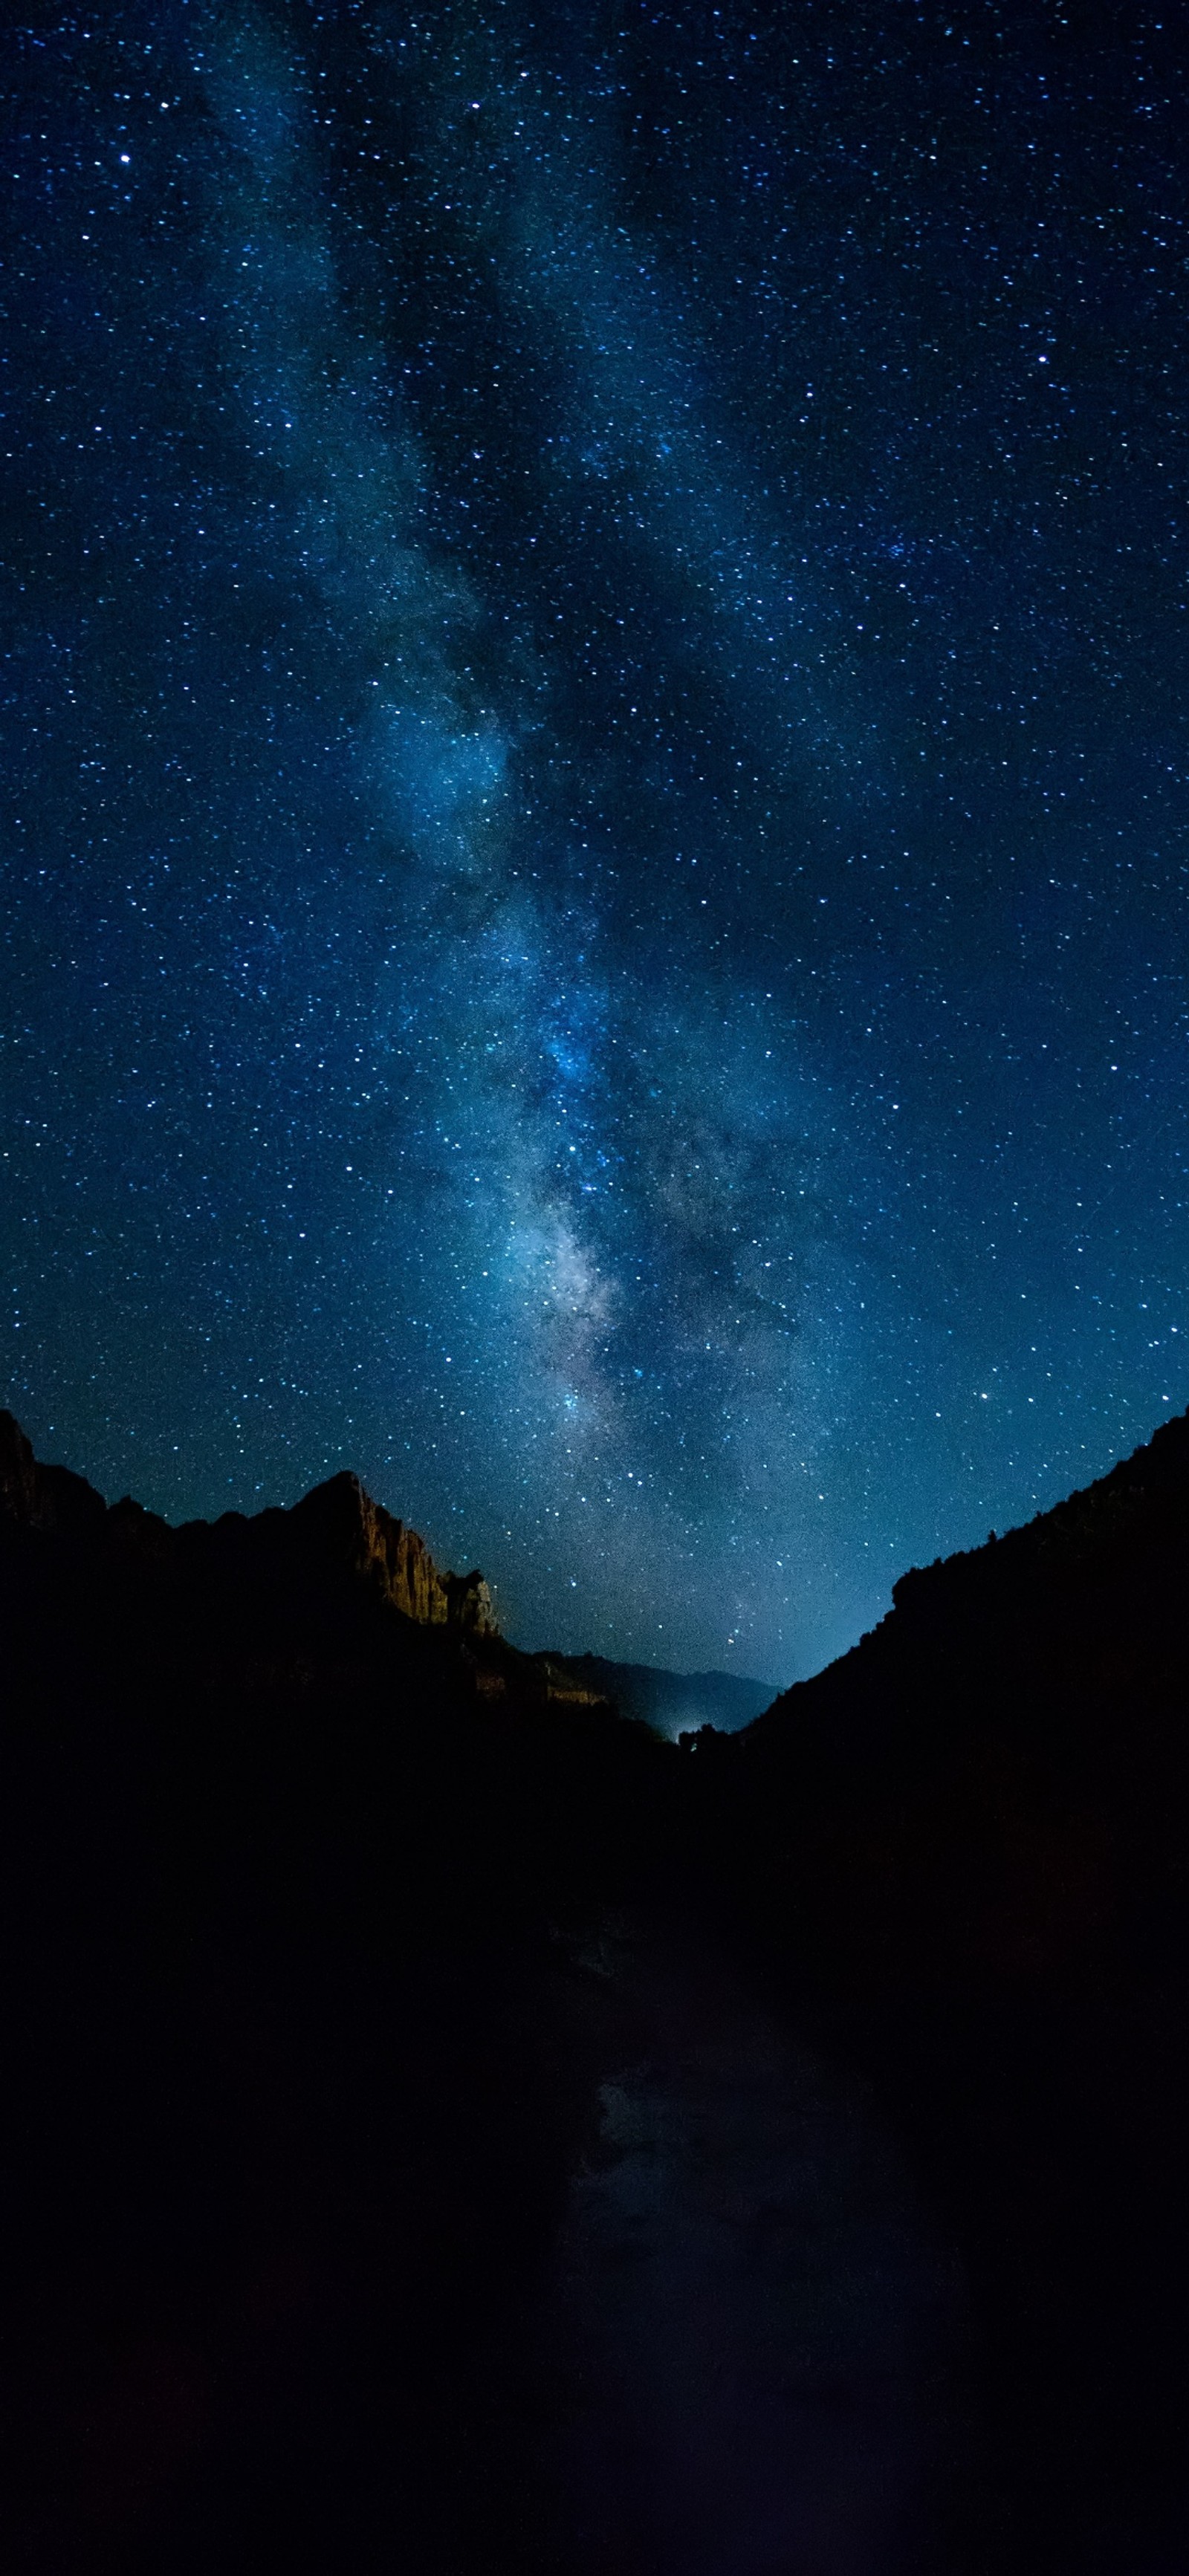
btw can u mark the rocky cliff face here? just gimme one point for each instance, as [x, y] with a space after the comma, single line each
[337, 1527]
[342, 1516]
[294, 1849]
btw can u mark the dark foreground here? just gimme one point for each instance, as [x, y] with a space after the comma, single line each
[448, 2129]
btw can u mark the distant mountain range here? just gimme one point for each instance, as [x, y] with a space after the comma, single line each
[675, 1703]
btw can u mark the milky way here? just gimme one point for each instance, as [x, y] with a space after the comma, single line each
[595, 782]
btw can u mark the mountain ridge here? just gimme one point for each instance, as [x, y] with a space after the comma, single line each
[339, 1524]
[677, 1701]
[338, 1516]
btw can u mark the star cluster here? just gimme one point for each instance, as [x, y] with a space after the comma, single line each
[595, 782]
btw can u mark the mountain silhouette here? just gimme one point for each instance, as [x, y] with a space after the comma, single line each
[451, 2125]
[675, 1702]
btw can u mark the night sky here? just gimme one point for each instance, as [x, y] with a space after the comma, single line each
[595, 777]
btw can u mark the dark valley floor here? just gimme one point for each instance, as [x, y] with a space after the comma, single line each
[453, 2128]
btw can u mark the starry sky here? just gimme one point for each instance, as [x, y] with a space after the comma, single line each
[593, 846]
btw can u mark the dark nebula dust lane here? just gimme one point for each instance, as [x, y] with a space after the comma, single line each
[594, 781]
